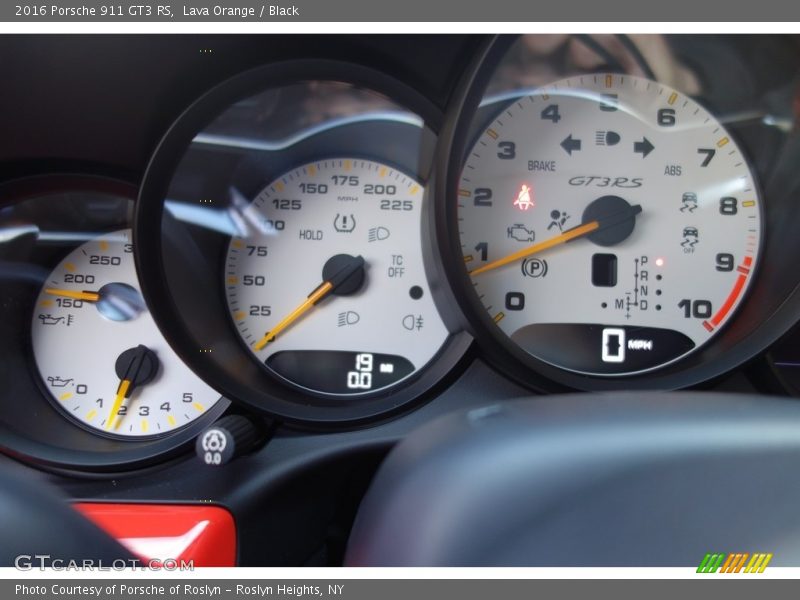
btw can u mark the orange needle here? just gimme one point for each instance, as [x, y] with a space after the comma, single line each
[608, 218]
[122, 391]
[85, 296]
[568, 235]
[315, 296]
[343, 280]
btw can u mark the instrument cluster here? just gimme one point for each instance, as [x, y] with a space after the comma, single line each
[319, 243]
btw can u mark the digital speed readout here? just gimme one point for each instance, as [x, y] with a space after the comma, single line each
[609, 224]
[328, 290]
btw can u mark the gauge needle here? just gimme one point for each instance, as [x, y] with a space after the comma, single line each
[134, 367]
[122, 392]
[346, 273]
[581, 230]
[85, 296]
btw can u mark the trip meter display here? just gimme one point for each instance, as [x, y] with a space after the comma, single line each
[610, 225]
[328, 290]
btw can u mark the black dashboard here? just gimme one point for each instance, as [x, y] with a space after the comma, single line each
[338, 238]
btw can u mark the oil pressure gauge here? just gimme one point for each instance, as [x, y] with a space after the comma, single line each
[99, 353]
[609, 224]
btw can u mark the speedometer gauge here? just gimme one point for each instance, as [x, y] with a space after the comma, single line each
[328, 290]
[610, 225]
[292, 200]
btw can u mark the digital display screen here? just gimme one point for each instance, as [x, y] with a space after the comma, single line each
[337, 372]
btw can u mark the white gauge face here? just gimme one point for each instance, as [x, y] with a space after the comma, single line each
[99, 352]
[664, 212]
[329, 289]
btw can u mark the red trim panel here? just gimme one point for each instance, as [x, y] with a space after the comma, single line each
[203, 534]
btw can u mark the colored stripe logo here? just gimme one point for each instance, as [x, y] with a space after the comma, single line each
[734, 562]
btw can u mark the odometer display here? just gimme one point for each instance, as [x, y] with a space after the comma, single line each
[609, 223]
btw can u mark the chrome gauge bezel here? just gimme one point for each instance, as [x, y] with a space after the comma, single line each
[236, 374]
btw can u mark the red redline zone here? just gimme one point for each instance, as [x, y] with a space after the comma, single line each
[744, 270]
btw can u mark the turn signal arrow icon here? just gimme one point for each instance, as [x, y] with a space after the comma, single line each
[570, 144]
[644, 147]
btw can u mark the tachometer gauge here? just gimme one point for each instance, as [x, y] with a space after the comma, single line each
[99, 352]
[328, 290]
[610, 225]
